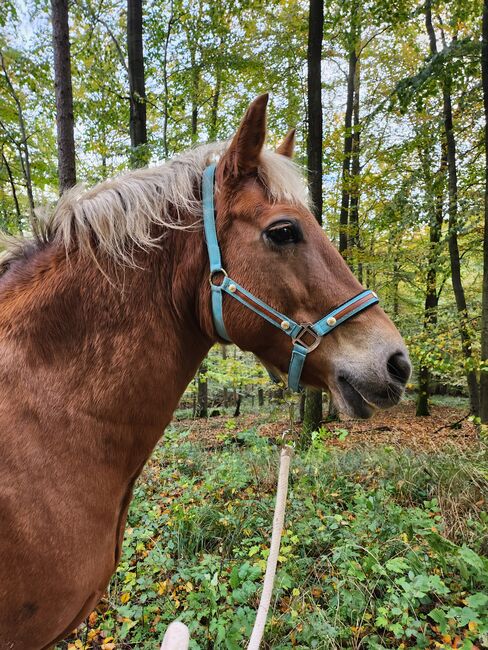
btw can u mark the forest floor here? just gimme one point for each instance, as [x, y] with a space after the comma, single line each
[447, 426]
[385, 543]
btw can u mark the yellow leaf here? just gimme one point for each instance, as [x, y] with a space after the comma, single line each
[473, 626]
[162, 586]
[125, 597]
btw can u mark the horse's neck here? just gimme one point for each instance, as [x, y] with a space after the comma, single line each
[111, 358]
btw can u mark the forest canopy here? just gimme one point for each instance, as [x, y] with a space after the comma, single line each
[403, 146]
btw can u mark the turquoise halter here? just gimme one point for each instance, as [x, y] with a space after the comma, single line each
[305, 336]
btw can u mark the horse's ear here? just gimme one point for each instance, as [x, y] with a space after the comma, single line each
[242, 156]
[288, 145]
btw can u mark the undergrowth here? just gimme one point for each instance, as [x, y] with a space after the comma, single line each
[383, 548]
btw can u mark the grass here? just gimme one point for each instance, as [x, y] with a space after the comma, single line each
[383, 548]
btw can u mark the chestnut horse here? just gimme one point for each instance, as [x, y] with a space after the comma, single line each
[105, 319]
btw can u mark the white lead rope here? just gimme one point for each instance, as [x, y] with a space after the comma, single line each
[274, 551]
[177, 636]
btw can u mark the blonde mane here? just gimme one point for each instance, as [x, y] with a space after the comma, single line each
[119, 214]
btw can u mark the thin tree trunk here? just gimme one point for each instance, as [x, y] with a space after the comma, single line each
[354, 243]
[226, 391]
[315, 121]
[215, 104]
[454, 256]
[23, 145]
[64, 96]
[202, 391]
[395, 283]
[260, 397]
[313, 405]
[431, 295]
[137, 87]
[333, 414]
[14, 193]
[484, 308]
[348, 137]
[195, 84]
[301, 408]
[165, 80]
[237, 410]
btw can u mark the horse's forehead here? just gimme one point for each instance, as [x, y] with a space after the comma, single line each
[252, 200]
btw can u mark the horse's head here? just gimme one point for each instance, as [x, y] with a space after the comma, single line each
[273, 246]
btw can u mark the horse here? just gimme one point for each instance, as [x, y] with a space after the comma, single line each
[105, 316]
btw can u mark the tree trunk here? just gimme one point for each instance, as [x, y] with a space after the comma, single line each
[260, 397]
[484, 308]
[137, 88]
[333, 414]
[195, 85]
[353, 229]
[165, 81]
[348, 136]
[301, 408]
[202, 391]
[454, 256]
[215, 105]
[313, 406]
[312, 416]
[14, 193]
[237, 410]
[64, 96]
[431, 295]
[23, 145]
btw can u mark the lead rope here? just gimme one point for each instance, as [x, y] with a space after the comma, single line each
[177, 635]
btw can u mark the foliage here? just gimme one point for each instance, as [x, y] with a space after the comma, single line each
[369, 557]
[205, 61]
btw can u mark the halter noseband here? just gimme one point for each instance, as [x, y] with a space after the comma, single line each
[305, 336]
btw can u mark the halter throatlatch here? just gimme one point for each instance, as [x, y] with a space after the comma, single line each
[305, 336]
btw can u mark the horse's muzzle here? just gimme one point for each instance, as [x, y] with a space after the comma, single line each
[361, 393]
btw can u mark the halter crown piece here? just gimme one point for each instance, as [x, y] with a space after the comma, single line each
[305, 336]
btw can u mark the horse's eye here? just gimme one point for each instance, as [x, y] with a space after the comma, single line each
[283, 233]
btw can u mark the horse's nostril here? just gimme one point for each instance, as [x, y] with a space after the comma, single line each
[399, 367]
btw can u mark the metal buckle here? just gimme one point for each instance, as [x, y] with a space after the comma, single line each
[213, 274]
[307, 331]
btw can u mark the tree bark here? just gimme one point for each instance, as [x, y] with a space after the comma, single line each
[348, 135]
[137, 87]
[312, 416]
[14, 192]
[165, 80]
[215, 104]
[431, 295]
[454, 256]
[64, 96]
[484, 308]
[23, 145]
[315, 121]
[202, 391]
[313, 401]
[195, 86]
[353, 229]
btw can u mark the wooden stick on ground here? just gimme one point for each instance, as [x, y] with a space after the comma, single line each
[177, 636]
[278, 520]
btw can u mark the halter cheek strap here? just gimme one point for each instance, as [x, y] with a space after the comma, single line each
[305, 336]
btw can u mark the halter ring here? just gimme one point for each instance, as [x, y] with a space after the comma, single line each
[304, 332]
[213, 274]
